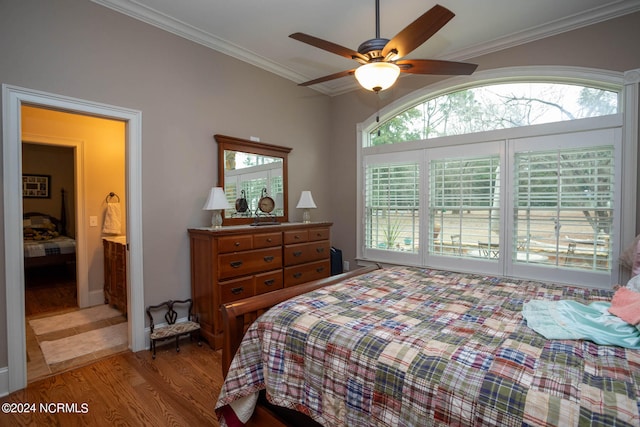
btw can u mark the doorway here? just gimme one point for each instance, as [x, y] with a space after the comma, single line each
[13, 99]
[64, 151]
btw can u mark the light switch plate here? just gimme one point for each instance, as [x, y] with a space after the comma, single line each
[93, 221]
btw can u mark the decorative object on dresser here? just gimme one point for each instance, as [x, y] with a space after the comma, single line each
[231, 263]
[216, 202]
[306, 202]
[115, 272]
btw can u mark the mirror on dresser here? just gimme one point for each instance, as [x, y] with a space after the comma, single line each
[249, 171]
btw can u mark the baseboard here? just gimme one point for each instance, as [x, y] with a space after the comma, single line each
[96, 298]
[4, 381]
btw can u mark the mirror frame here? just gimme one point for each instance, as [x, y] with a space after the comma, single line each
[230, 143]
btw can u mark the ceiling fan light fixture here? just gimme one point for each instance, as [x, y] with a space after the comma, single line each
[377, 76]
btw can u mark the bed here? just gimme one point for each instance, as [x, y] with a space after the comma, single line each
[414, 346]
[45, 242]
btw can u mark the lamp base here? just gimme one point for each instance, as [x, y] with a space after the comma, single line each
[306, 216]
[216, 219]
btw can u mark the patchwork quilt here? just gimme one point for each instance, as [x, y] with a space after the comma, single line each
[419, 347]
[55, 246]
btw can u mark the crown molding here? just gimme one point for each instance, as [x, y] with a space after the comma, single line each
[150, 16]
[579, 20]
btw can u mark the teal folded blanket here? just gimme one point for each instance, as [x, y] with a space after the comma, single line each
[571, 320]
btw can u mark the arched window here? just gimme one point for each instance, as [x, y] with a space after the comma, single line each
[496, 106]
[511, 176]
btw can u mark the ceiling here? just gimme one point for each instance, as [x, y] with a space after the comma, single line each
[256, 31]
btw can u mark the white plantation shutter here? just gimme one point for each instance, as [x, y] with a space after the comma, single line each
[464, 205]
[573, 189]
[392, 203]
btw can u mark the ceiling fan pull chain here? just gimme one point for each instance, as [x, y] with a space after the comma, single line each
[378, 113]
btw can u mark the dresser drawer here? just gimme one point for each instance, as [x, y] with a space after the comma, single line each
[234, 290]
[295, 236]
[267, 282]
[307, 272]
[267, 240]
[249, 262]
[235, 243]
[319, 234]
[306, 252]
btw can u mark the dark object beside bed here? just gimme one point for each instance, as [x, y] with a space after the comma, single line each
[411, 346]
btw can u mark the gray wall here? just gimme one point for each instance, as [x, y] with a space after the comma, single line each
[187, 93]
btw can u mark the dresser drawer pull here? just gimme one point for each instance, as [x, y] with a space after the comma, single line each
[269, 240]
[297, 237]
[320, 269]
[268, 258]
[297, 253]
[319, 250]
[237, 291]
[297, 275]
[235, 264]
[269, 282]
[237, 244]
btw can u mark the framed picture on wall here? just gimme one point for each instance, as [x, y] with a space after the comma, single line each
[36, 186]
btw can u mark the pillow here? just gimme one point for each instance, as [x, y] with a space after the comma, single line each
[634, 283]
[31, 233]
[626, 305]
[630, 257]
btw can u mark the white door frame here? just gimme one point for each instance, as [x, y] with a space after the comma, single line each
[13, 98]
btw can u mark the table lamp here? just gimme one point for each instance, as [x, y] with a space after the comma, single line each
[306, 202]
[216, 202]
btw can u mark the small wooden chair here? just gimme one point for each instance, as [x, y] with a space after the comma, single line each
[171, 329]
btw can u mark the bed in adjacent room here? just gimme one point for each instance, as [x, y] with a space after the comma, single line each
[45, 242]
[414, 346]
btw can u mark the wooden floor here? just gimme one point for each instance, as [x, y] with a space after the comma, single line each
[48, 290]
[129, 389]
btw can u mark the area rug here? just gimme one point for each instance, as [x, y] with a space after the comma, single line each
[68, 348]
[73, 319]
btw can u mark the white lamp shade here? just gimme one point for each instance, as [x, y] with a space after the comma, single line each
[216, 200]
[377, 76]
[306, 200]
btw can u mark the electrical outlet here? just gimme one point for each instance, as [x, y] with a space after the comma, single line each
[345, 265]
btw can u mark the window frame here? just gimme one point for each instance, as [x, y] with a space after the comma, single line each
[625, 152]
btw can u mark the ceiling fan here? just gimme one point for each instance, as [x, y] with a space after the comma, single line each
[380, 58]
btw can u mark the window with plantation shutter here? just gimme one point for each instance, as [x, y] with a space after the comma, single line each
[464, 205]
[392, 203]
[525, 182]
[563, 207]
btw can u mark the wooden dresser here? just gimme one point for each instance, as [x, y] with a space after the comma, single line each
[236, 262]
[115, 272]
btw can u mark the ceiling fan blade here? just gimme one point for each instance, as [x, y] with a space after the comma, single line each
[328, 46]
[327, 78]
[436, 67]
[419, 31]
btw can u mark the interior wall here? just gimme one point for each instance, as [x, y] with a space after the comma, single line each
[187, 93]
[611, 45]
[103, 154]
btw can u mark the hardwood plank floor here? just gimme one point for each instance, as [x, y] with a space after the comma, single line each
[129, 389]
[49, 290]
